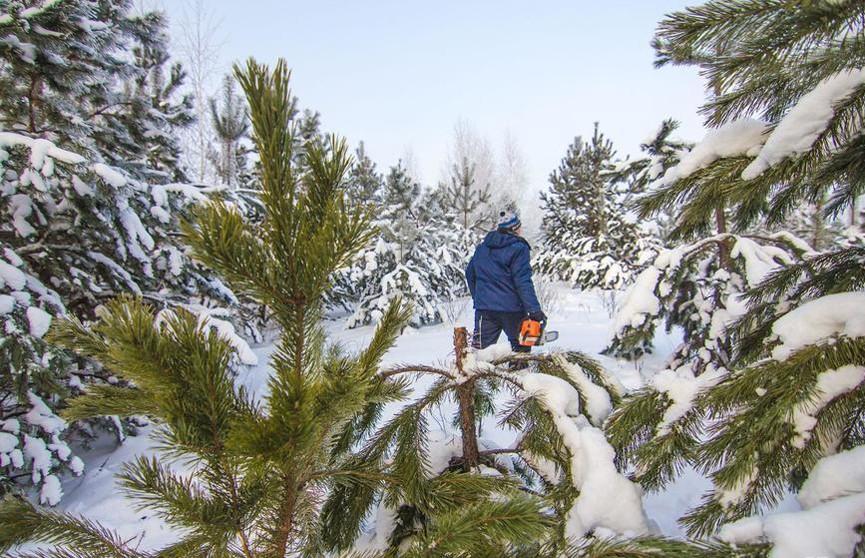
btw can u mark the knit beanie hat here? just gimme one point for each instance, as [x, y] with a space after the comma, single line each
[509, 221]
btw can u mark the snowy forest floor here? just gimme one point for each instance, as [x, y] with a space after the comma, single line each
[581, 319]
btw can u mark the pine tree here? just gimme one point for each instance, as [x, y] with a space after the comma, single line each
[85, 216]
[451, 243]
[661, 151]
[419, 254]
[577, 186]
[467, 199]
[231, 124]
[589, 240]
[399, 262]
[157, 112]
[471, 178]
[261, 465]
[788, 408]
[308, 132]
[400, 203]
[365, 184]
[306, 125]
[364, 188]
[135, 117]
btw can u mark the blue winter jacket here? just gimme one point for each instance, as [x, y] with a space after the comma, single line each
[500, 275]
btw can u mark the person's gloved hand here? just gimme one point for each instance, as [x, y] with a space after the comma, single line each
[538, 317]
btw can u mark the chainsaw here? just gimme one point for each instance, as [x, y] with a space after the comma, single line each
[533, 333]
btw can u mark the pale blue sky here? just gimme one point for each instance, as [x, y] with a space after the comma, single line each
[398, 75]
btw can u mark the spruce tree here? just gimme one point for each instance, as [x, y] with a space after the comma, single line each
[787, 409]
[261, 465]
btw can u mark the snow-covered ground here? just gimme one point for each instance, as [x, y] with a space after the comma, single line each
[583, 324]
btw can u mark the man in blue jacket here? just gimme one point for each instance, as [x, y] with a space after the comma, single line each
[500, 280]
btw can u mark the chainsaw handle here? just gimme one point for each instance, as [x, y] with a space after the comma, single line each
[538, 316]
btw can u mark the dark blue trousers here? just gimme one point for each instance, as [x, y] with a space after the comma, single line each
[489, 324]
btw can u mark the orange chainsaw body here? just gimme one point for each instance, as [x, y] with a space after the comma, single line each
[531, 333]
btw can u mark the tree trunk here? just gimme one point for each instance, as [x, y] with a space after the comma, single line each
[721, 226]
[32, 98]
[466, 401]
[285, 520]
[818, 224]
[602, 218]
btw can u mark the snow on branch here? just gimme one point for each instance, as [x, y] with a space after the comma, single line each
[117, 270]
[819, 321]
[828, 530]
[833, 477]
[607, 499]
[640, 302]
[598, 401]
[740, 137]
[830, 385]
[39, 150]
[207, 319]
[682, 387]
[212, 319]
[806, 121]
[110, 175]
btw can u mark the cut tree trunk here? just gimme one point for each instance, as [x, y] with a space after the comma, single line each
[466, 402]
